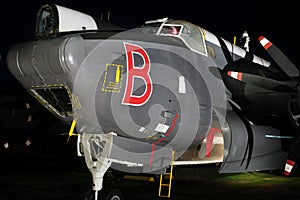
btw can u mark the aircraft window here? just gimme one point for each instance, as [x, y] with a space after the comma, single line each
[57, 98]
[211, 52]
[188, 32]
[151, 28]
[192, 35]
[171, 29]
[46, 22]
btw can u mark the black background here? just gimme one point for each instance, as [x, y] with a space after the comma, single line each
[277, 21]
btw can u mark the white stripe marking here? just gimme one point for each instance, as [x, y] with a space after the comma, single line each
[264, 41]
[182, 86]
[234, 75]
[288, 167]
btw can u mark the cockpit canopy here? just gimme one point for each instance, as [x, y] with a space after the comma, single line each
[189, 33]
[54, 19]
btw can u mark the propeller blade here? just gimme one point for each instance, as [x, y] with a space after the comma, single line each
[283, 62]
[262, 82]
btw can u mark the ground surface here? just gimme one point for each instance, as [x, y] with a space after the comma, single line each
[58, 178]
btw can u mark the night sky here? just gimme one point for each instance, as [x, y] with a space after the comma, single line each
[277, 21]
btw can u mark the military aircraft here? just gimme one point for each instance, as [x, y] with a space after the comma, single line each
[166, 93]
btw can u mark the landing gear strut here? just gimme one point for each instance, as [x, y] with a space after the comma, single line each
[96, 148]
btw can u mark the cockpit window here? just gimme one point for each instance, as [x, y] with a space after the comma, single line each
[171, 29]
[193, 37]
[151, 28]
[189, 33]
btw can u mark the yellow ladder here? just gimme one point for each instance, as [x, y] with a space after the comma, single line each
[170, 176]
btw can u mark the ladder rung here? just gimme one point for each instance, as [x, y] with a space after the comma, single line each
[168, 176]
[165, 184]
[164, 196]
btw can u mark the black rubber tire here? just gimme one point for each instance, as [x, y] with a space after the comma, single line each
[105, 194]
[111, 194]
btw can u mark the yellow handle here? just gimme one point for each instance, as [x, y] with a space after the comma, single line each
[72, 129]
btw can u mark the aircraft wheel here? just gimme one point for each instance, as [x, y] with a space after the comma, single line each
[105, 194]
[111, 194]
